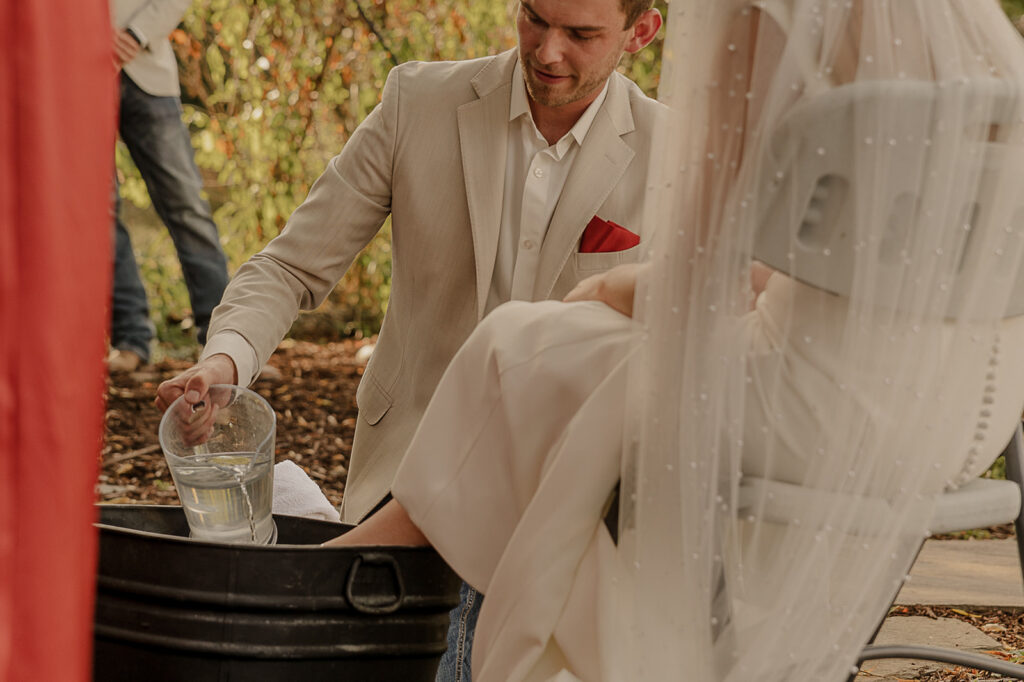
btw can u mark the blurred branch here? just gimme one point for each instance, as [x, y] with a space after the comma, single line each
[331, 41]
[373, 29]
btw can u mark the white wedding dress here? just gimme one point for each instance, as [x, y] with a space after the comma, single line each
[868, 395]
[512, 466]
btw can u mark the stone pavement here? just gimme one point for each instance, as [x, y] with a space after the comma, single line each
[959, 573]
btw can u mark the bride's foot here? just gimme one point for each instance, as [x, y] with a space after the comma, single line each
[389, 526]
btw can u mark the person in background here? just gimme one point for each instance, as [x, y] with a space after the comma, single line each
[151, 127]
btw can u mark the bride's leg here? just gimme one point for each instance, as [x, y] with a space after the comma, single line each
[502, 406]
[506, 397]
[389, 526]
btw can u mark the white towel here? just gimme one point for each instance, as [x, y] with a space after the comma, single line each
[296, 494]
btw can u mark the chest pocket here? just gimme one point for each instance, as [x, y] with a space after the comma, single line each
[586, 264]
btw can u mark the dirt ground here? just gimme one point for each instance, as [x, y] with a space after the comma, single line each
[314, 399]
[315, 404]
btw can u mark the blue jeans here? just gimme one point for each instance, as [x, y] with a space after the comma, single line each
[455, 661]
[152, 129]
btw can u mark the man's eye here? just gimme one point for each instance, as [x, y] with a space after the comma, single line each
[583, 37]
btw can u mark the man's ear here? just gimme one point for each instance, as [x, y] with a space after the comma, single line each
[644, 30]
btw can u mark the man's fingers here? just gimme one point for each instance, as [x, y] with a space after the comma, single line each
[199, 426]
[167, 393]
[193, 426]
[196, 388]
[194, 383]
[198, 412]
[123, 49]
[183, 384]
[125, 46]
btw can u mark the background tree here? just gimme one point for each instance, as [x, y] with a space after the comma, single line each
[272, 90]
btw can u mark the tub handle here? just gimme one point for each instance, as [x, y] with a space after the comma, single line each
[361, 604]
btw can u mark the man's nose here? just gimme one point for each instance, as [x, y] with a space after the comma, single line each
[551, 47]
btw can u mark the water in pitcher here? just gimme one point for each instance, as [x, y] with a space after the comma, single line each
[227, 496]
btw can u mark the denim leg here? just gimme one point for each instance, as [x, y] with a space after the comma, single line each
[455, 661]
[130, 326]
[159, 143]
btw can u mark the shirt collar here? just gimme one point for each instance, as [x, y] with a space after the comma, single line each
[520, 105]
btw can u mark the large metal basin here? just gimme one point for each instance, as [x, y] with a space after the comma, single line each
[171, 608]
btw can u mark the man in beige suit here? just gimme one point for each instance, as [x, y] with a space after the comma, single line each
[151, 127]
[507, 177]
[435, 155]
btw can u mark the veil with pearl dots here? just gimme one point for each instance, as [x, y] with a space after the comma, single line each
[784, 452]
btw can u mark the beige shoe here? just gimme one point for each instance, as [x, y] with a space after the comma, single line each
[123, 361]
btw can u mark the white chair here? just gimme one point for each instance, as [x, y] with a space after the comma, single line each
[982, 503]
[814, 243]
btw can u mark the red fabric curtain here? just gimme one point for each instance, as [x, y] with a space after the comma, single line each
[57, 127]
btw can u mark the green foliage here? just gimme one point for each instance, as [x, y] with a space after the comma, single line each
[1014, 9]
[644, 67]
[272, 90]
[998, 469]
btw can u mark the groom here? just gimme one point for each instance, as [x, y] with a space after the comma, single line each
[506, 178]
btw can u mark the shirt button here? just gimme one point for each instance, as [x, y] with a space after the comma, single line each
[528, 244]
[539, 172]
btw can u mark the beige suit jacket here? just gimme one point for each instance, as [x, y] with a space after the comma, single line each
[155, 69]
[432, 155]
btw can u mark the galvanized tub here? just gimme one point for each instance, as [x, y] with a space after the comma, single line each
[171, 608]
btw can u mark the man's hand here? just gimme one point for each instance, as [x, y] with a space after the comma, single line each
[614, 288]
[194, 383]
[125, 47]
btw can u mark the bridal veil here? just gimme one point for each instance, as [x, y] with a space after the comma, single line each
[783, 454]
[777, 441]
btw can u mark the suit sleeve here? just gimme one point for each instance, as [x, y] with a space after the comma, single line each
[154, 20]
[344, 210]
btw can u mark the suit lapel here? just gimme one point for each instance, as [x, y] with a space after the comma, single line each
[599, 165]
[483, 137]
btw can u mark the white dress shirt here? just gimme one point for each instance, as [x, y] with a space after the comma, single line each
[535, 173]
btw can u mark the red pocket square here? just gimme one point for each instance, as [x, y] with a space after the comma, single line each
[604, 236]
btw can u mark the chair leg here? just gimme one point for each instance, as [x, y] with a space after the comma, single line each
[949, 656]
[881, 622]
[1012, 455]
[1014, 472]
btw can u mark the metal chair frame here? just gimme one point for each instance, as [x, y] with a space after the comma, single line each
[1013, 454]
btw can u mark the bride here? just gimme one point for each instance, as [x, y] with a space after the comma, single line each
[774, 437]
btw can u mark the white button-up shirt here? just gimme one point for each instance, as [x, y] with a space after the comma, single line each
[535, 173]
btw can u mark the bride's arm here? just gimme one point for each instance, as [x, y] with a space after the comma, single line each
[614, 288]
[617, 287]
[759, 274]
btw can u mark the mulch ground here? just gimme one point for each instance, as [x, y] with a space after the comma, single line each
[315, 404]
[314, 399]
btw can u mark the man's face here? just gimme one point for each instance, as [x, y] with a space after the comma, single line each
[568, 48]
